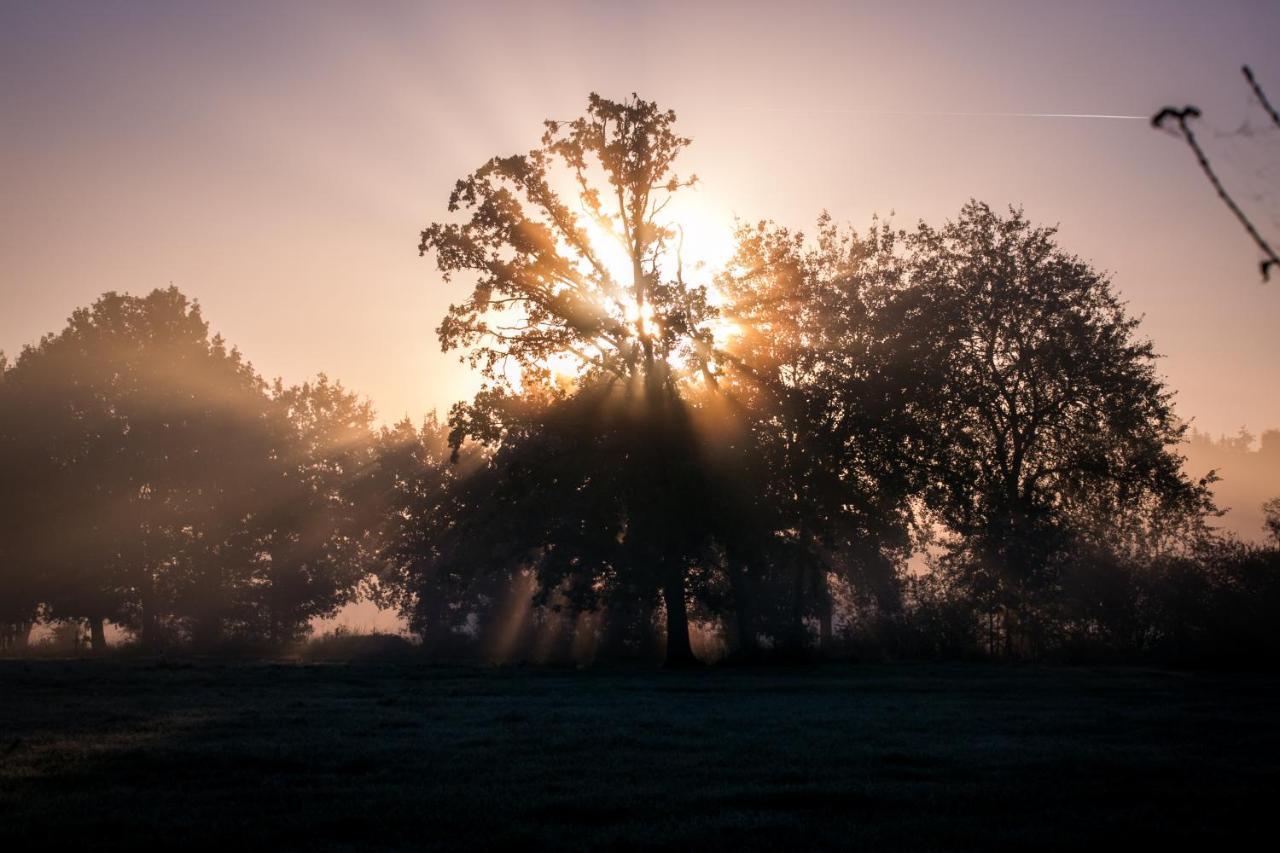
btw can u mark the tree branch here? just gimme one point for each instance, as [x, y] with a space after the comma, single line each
[1181, 117]
[1260, 95]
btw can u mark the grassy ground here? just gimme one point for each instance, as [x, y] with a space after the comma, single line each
[123, 754]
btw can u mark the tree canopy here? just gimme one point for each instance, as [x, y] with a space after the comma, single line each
[772, 439]
[161, 484]
[943, 439]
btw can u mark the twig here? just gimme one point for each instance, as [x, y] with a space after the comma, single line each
[1260, 95]
[1181, 116]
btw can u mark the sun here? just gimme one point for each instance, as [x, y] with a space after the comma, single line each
[705, 242]
[704, 247]
[708, 241]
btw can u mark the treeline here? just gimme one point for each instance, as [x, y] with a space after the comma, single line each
[155, 481]
[944, 441]
[1249, 467]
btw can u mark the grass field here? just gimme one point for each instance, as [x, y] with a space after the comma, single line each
[161, 754]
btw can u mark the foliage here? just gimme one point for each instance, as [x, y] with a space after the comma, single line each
[545, 289]
[160, 484]
[1044, 415]
[943, 441]
[767, 446]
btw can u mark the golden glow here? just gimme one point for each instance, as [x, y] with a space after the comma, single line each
[609, 251]
[704, 242]
[703, 245]
[708, 232]
[723, 332]
[322, 157]
[637, 315]
[565, 367]
[321, 154]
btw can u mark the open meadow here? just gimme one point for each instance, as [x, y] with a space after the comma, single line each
[377, 756]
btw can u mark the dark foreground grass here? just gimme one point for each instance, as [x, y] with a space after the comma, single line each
[157, 755]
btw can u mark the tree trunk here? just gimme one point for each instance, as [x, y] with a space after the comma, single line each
[97, 635]
[679, 650]
[148, 605]
[825, 619]
[794, 644]
[745, 631]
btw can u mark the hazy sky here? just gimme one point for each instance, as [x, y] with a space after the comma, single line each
[277, 160]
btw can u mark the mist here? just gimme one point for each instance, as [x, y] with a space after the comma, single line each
[667, 426]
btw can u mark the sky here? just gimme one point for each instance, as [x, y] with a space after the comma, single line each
[278, 160]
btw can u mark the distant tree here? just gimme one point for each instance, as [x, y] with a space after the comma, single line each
[1043, 405]
[823, 435]
[1271, 515]
[20, 496]
[320, 532]
[137, 411]
[573, 260]
[1245, 469]
[161, 484]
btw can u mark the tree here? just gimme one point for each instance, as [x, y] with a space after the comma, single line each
[319, 535]
[134, 413]
[1044, 406]
[823, 435]
[574, 261]
[159, 483]
[420, 503]
[1271, 514]
[20, 491]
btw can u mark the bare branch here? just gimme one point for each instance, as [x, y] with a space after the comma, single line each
[1260, 95]
[1181, 116]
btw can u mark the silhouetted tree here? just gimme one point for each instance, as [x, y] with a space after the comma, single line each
[1271, 515]
[1043, 404]
[159, 483]
[135, 405]
[417, 487]
[823, 438]
[541, 233]
[320, 532]
[22, 491]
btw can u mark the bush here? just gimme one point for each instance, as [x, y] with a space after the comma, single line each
[344, 646]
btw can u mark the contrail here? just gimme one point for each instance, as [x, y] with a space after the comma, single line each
[951, 114]
[1042, 115]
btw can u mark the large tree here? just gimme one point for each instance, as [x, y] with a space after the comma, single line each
[1043, 403]
[573, 260]
[141, 421]
[158, 482]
